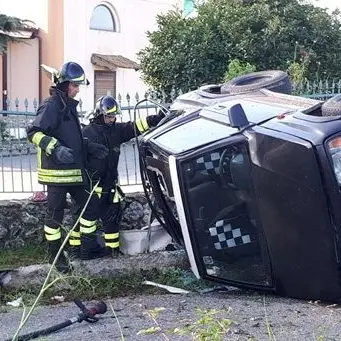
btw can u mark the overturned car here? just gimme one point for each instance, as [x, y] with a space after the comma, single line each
[255, 176]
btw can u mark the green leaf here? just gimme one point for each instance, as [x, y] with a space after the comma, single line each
[260, 34]
[148, 331]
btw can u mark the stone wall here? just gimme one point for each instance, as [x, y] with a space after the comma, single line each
[22, 221]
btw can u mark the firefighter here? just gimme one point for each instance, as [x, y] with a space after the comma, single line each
[62, 151]
[104, 129]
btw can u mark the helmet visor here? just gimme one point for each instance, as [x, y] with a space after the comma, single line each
[80, 80]
[76, 75]
[115, 110]
[109, 106]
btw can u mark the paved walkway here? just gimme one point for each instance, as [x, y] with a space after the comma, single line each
[253, 316]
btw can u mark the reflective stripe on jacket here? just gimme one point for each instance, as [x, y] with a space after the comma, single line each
[57, 123]
[116, 193]
[112, 136]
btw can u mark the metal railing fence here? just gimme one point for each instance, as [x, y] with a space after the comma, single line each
[18, 164]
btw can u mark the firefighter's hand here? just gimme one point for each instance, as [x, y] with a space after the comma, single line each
[154, 120]
[161, 114]
[97, 150]
[63, 155]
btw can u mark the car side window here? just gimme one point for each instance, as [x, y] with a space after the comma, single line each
[223, 217]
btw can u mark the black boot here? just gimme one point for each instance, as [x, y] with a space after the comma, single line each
[62, 264]
[90, 249]
[115, 253]
[74, 252]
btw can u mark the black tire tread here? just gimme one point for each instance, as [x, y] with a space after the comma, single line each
[274, 80]
[332, 107]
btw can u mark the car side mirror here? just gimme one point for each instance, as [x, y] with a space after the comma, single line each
[237, 117]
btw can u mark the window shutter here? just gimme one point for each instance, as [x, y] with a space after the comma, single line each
[105, 84]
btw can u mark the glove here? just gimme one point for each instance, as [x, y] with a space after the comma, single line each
[154, 120]
[161, 114]
[97, 151]
[63, 155]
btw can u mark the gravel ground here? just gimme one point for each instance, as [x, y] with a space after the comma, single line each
[288, 319]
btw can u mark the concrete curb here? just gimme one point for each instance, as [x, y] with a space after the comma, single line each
[104, 268]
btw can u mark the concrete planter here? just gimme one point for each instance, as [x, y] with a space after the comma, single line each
[147, 239]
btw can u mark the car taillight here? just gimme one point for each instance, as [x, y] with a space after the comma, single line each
[334, 147]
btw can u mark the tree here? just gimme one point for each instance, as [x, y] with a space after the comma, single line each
[8, 26]
[269, 34]
[237, 68]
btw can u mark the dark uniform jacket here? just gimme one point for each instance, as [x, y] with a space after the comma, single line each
[112, 136]
[57, 122]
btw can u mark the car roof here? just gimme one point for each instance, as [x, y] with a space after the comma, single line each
[208, 117]
[258, 106]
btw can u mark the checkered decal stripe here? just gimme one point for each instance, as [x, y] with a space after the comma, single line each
[209, 163]
[226, 236]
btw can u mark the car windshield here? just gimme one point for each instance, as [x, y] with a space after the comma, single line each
[193, 134]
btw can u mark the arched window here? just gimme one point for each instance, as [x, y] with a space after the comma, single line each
[102, 19]
[188, 6]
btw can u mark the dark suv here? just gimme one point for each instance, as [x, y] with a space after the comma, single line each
[255, 177]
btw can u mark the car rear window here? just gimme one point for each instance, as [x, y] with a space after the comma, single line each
[193, 134]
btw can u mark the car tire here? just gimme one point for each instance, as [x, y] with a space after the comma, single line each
[274, 80]
[332, 107]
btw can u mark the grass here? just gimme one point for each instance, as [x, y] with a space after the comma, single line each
[102, 288]
[270, 333]
[91, 288]
[209, 325]
[28, 255]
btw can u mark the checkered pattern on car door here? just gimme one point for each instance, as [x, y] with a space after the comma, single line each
[225, 235]
[209, 163]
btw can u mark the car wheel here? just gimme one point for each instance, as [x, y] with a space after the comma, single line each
[274, 80]
[332, 107]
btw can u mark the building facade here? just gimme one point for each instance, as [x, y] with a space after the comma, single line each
[331, 5]
[102, 36]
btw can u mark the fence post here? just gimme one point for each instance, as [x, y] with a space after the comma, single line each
[35, 104]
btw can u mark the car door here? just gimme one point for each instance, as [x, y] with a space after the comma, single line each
[217, 209]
